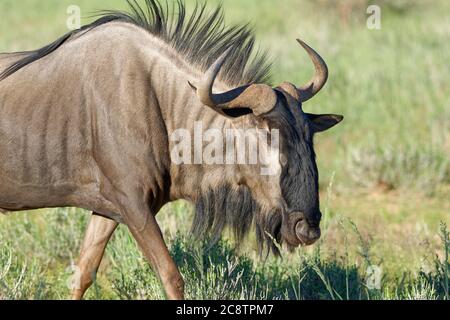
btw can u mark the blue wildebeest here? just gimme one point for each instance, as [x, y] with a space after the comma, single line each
[86, 122]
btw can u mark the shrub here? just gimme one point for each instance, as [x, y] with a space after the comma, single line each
[393, 167]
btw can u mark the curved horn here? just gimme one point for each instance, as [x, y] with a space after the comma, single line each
[204, 91]
[310, 89]
[256, 98]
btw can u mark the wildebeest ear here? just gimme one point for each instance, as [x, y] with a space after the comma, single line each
[324, 122]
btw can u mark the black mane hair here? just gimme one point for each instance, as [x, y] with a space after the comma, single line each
[224, 207]
[200, 38]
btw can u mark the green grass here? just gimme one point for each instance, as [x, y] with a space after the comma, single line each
[36, 267]
[385, 172]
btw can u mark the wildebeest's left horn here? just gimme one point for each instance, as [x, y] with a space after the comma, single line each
[310, 89]
[204, 90]
[252, 98]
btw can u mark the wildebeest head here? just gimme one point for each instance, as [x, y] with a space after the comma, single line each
[288, 201]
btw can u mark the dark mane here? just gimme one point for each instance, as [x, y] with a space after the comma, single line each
[224, 207]
[201, 38]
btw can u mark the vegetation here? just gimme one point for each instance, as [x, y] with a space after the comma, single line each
[385, 172]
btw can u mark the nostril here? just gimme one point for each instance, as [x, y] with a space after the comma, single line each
[301, 229]
[306, 233]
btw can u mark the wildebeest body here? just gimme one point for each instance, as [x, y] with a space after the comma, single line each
[77, 133]
[87, 121]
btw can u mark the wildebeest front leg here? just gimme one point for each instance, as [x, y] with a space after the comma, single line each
[151, 242]
[98, 233]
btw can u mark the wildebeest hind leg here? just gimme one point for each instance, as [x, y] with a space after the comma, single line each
[98, 233]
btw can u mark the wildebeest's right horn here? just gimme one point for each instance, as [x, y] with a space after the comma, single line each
[310, 89]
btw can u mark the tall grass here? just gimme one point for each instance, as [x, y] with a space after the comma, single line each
[218, 272]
